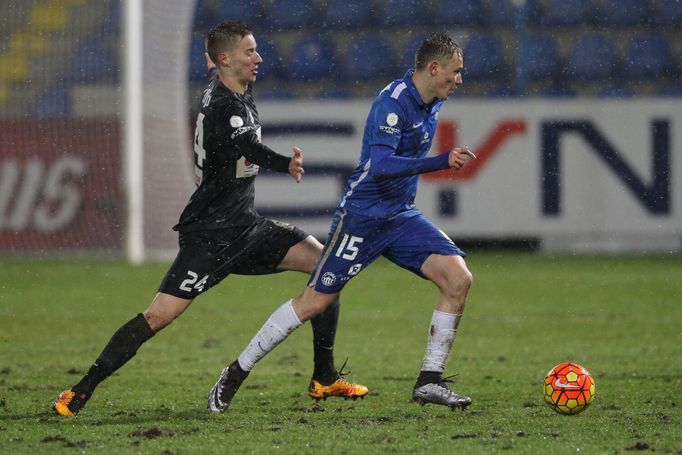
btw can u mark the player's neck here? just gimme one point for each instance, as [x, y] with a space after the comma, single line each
[233, 83]
[422, 86]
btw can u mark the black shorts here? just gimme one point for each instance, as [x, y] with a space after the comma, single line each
[208, 257]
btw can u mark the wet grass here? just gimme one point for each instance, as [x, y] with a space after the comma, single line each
[618, 316]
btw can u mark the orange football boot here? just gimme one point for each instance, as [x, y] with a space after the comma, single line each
[338, 388]
[68, 403]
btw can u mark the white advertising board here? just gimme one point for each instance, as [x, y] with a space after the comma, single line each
[576, 175]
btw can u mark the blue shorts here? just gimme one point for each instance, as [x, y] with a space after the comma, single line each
[354, 242]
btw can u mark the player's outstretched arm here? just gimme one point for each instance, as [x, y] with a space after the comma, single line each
[386, 164]
[296, 165]
[256, 152]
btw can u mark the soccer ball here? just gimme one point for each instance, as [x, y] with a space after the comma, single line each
[569, 388]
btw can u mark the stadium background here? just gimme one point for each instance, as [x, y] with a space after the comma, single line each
[604, 72]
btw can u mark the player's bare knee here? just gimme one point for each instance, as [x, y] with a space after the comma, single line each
[466, 279]
[163, 310]
[310, 304]
[316, 306]
[458, 280]
[157, 321]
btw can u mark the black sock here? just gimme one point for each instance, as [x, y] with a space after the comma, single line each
[121, 348]
[324, 333]
[242, 374]
[428, 377]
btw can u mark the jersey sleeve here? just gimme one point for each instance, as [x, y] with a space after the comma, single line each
[243, 134]
[386, 122]
[234, 121]
[262, 155]
[385, 164]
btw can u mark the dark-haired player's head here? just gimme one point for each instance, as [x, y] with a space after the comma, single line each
[232, 48]
[224, 37]
[438, 65]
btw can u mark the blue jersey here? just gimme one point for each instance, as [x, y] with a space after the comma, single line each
[398, 135]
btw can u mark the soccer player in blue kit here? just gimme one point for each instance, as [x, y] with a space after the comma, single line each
[376, 217]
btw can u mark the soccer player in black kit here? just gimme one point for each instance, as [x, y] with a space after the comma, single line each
[219, 230]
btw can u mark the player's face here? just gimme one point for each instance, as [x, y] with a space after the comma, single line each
[244, 59]
[448, 77]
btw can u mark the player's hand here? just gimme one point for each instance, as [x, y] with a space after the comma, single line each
[296, 165]
[459, 156]
[209, 63]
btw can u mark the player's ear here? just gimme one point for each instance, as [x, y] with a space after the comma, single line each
[434, 66]
[223, 59]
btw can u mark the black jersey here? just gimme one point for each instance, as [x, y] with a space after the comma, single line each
[227, 155]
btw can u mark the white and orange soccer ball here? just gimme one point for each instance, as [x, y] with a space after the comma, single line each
[569, 388]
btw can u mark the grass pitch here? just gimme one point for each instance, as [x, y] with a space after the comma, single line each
[621, 318]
